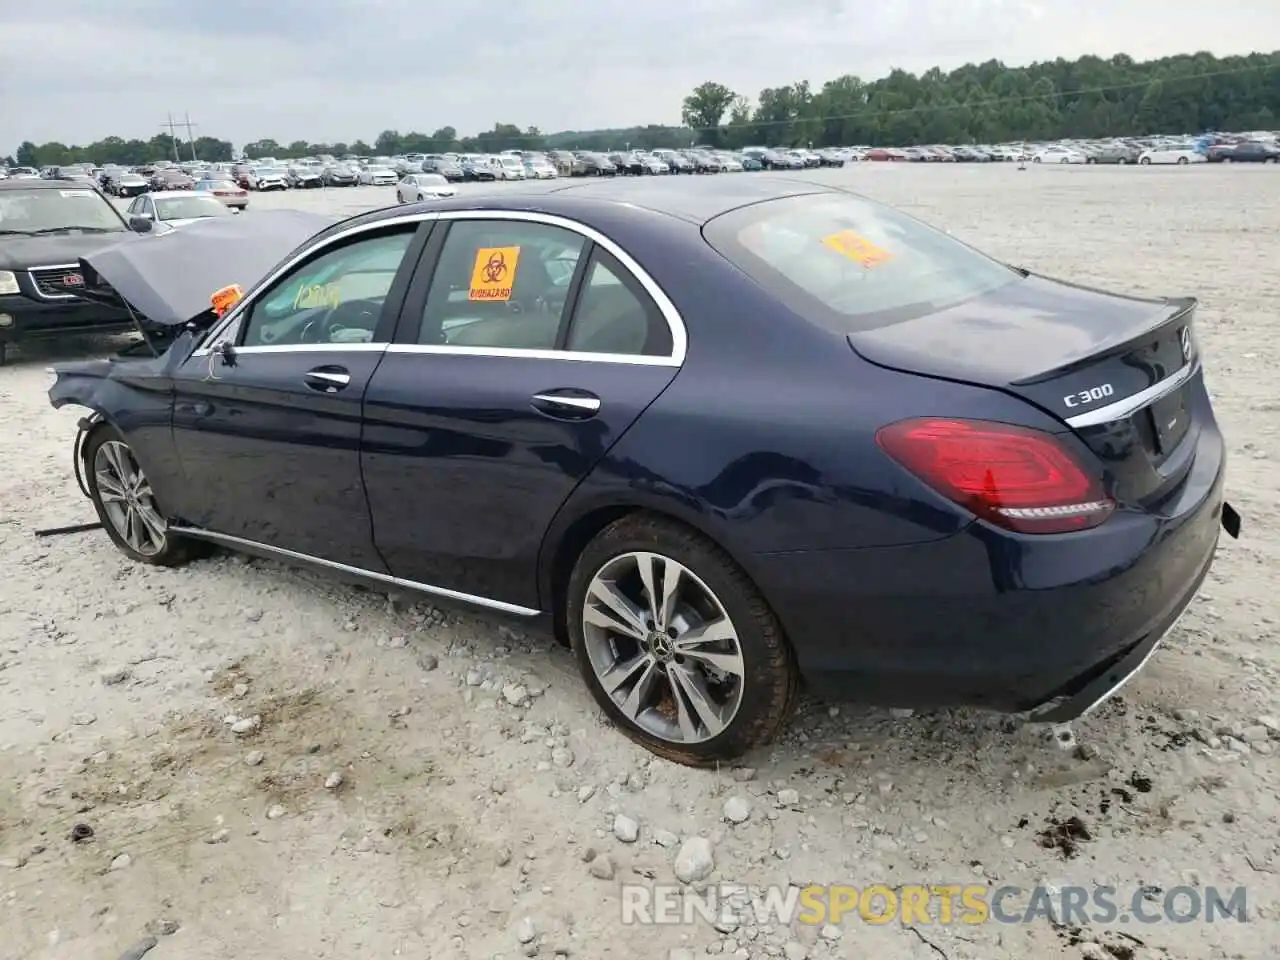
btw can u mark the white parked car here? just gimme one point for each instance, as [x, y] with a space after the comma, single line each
[268, 178]
[177, 208]
[1059, 154]
[423, 186]
[509, 167]
[1182, 153]
[539, 168]
[374, 176]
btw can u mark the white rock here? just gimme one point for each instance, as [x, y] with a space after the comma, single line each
[664, 838]
[794, 950]
[515, 694]
[122, 861]
[830, 932]
[695, 861]
[586, 792]
[680, 953]
[562, 757]
[275, 812]
[246, 724]
[899, 713]
[253, 758]
[333, 781]
[737, 809]
[626, 829]
[526, 931]
[788, 798]
[83, 719]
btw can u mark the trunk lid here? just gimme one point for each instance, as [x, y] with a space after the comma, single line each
[1120, 371]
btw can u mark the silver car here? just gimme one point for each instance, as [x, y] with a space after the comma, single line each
[414, 187]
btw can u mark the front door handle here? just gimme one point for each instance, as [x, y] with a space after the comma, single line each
[567, 404]
[327, 379]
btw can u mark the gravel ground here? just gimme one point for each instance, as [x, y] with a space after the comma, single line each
[429, 784]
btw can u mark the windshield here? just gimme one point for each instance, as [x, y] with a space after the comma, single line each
[187, 208]
[850, 264]
[53, 211]
[266, 172]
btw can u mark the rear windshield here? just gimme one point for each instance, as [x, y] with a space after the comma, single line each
[850, 264]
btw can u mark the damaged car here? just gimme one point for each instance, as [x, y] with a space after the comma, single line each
[727, 440]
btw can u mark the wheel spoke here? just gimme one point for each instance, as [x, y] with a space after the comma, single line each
[627, 617]
[116, 457]
[641, 693]
[689, 685]
[153, 523]
[645, 563]
[133, 528]
[729, 663]
[620, 673]
[717, 631]
[108, 486]
[672, 576]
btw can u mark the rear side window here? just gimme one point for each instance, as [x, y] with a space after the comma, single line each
[850, 264]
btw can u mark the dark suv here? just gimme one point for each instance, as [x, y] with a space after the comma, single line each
[45, 227]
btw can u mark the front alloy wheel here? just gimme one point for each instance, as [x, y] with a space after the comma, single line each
[676, 644]
[125, 503]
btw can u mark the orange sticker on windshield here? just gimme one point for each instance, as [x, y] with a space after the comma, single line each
[493, 273]
[226, 298]
[857, 248]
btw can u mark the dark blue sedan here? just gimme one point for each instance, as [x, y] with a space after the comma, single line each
[725, 435]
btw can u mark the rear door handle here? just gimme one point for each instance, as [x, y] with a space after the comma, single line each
[567, 404]
[329, 379]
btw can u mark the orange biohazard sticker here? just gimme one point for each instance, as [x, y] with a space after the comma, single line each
[857, 248]
[226, 298]
[493, 273]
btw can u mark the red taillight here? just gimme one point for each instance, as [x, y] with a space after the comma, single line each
[1018, 478]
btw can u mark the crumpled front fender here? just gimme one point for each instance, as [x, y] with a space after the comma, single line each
[78, 383]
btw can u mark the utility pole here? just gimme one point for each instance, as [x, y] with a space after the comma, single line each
[172, 128]
[191, 137]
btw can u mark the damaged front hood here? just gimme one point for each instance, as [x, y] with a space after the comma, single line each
[167, 278]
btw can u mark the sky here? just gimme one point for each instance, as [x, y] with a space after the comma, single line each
[340, 70]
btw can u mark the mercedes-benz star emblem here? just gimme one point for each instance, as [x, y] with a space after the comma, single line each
[1185, 338]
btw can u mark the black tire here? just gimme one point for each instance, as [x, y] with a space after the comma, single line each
[1145, 161]
[771, 679]
[1182, 160]
[175, 550]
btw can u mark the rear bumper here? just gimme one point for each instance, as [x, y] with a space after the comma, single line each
[33, 318]
[993, 620]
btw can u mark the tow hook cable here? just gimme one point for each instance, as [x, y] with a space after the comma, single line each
[83, 426]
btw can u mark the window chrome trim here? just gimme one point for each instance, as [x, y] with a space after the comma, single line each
[234, 314]
[1132, 404]
[241, 542]
[675, 322]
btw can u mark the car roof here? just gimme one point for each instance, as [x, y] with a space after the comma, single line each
[171, 194]
[694, 200]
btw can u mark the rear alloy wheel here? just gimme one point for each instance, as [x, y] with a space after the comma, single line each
[1145, 161]
[676, 644]
[126, 504]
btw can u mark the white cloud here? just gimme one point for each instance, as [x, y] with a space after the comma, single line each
[347, 69]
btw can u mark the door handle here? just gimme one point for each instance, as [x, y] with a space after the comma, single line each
[327, 379]
[567, 404]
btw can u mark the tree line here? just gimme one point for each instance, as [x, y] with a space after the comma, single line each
[976, 103]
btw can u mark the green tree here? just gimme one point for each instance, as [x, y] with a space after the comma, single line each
[705, 107]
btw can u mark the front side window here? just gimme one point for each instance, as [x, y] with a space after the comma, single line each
[851, 264]
[336, 298]
[190, 208]
[501, 284]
